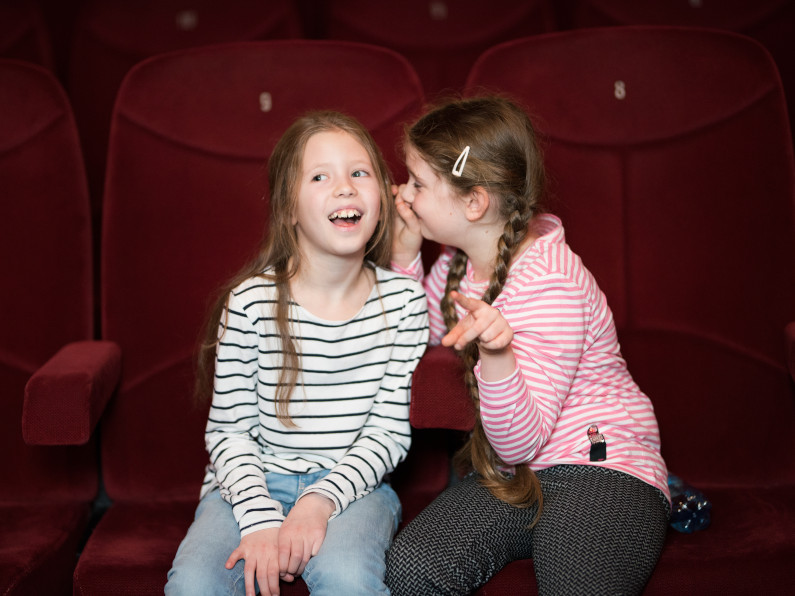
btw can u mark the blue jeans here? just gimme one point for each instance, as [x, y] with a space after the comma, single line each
[350, 560]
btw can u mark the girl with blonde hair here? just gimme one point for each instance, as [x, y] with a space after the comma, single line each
[308, 359]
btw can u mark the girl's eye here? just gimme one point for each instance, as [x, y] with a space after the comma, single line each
[360, 173]
[417, 185]
[319, 177]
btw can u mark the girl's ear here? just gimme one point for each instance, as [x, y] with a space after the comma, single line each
[477, 203]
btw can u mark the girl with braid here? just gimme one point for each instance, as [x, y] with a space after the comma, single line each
[565, 454]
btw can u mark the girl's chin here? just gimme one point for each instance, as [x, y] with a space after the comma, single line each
[428, 235]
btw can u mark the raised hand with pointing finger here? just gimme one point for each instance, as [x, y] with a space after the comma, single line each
[485, 325]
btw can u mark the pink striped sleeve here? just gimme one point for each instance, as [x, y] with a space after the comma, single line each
[570, 373]
[549, 316]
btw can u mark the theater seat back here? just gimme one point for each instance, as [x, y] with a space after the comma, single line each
[441, 39]
[111, 36]
[671, 164]
[187, 204]
[45, 264]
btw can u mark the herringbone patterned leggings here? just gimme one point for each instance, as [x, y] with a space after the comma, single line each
[600, 532]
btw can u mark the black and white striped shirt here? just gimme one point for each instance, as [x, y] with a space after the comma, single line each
[351, 403]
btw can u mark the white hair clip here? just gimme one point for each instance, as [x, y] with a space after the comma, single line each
[458, 168]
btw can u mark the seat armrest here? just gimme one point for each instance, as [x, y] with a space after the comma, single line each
[439, 398]
[789, 332]
[65, 398]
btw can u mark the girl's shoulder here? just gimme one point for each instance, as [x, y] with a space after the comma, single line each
[396, 281]
[548, 228]
[549, 254]
[259, 286]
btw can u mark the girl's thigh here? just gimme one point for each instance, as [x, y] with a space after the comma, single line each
[601, 531]
[458, 542]
[198, 566]
[351, 558]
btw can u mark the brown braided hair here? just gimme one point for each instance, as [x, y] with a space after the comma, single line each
[505, 159]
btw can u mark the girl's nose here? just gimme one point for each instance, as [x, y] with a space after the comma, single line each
[345, 189]
[405, 195]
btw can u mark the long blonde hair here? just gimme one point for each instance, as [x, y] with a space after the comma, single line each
[505, 159]
[279, 251]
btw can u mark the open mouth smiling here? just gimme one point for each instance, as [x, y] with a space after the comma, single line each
[345, 216]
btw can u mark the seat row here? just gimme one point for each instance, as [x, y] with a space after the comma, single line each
[672, 168]
[92, 44]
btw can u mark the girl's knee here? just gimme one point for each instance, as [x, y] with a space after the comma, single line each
[404, 568]
[189, 580]
[354, 577]
[414, 566]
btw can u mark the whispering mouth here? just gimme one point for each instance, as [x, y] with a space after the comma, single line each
[351, 216]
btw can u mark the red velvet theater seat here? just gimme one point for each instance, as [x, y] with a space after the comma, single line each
[440, 38]
[45, 263]
[672, 168]
[23, 33]
[186, 204]
[110, 36]
[771, 22]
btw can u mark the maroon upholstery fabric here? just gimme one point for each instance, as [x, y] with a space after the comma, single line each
[110, 36]
[736, 15]
[65, 398]
[46, 302]
[771, 22]
[131, 549]
[425, 473]
[23, 33]
[439, 397]
[38, 545]
[790, 339]
[59, 18]
[441, 39]
[186, 205]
